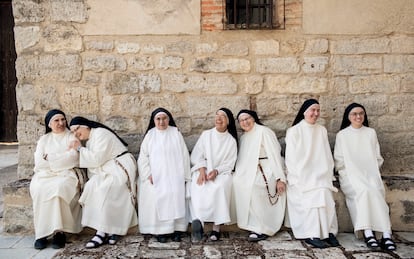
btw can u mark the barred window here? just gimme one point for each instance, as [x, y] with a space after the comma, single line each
[251, 14]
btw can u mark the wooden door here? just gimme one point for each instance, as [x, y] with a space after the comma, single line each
[8, 80]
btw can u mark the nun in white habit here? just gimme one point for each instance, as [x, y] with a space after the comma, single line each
[55, 187]
[213, 158]
[164, 166]
[309, 162]
[109, 197]
[259, 179]
[358, 160]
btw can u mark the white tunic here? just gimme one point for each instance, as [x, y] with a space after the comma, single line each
[164, 156]
[210, 202]
[253, 209]
[358, 159]
[54, 186]
[106, 199]
[309, 163]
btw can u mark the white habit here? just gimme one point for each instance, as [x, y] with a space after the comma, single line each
[54, 186]
[210, 202]
[253, 209]
[106, 199]
[164, 156]
[309, 162]
[358, 159]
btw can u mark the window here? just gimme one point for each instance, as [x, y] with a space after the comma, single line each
[252, 14]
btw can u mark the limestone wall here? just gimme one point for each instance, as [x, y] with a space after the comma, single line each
[119, 79]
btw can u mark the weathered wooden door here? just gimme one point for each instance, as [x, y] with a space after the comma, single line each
[8, 104]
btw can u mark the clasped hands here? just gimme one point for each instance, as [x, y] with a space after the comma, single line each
[204, 177]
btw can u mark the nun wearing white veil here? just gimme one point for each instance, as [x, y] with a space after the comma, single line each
[164, 168]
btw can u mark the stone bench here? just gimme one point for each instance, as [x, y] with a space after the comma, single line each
[18, 211]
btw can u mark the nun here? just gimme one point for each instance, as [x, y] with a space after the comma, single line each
[358, 161]
[309, 162]
[109, 197]
[164, 166]
[55, 188]
[259, 179]
[213, 159]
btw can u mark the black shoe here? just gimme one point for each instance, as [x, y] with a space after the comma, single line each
[59, 240]
[316, 242]
[214, 236]
[254, 237]
[40, 243]
[162, 238]
[197, 230]
[331, 240]
[176, 237]
[388, 244]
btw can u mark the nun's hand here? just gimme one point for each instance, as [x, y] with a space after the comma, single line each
[212, 175]
[150, 179]
[202, 177]
[280, 187]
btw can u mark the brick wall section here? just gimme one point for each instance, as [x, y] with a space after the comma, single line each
[212, 15]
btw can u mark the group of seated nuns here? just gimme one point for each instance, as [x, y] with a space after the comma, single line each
[225, 180]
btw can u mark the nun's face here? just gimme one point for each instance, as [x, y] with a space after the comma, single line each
[161, 121]
[81, 132]
[246, 122]
[356, 117]
[312, 113]
[58, 123]
[221, 121]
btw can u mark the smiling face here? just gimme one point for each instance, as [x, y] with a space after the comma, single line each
[58, 123]
[81, 132]
[246, 122]
[356, 116]
[221, 121]
[161, 121]
[312, 113]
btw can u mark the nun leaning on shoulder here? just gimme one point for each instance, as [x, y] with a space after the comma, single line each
[309, 163]
[259, 179]
[54, 187]
[164, 166]
[108, 200]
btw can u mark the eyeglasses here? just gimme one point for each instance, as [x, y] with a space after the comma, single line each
[245, 119]
[354, 114]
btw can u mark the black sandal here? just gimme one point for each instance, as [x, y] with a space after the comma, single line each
[214, 236]
[371, 242]
[254, 237]
[113, 239]
[388, 244]
[95, 244]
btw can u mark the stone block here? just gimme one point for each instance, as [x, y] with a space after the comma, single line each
[99, 45]
[170, 62]
[26, 37]
[61, 37]
[100, 63]
[407, 83]
[18, 211]
[180, 47]
[253, 84]
[215, 65]
[356, 65]
[296, 85]
[374, 84]
[402, 44]
[152, 49]
[265, 47]
[277, 65]
[127, 47]
[398, 63]
[24, 96]
[234, 49]
[68, 11]
[316, 46]
[29, 128]
[360, 46]
[315, 64]
[139, 105]
[181, 83]
[206, 48]
[28, 11]
[207, 106]
[132, 83]
[292, 46]
[140, 63]
[59, 67]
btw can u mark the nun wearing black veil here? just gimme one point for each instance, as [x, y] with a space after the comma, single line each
[213, 159]
[109, 197]
[358, 161]
[164, 167]
[54, 187]
[309, 162]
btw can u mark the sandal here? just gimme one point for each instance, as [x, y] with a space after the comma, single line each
[214, 236]
[254, 237]
[388, 245]
[113, 239]
[371, 242]
[96, 241]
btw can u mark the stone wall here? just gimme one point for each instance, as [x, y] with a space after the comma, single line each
[120, 79]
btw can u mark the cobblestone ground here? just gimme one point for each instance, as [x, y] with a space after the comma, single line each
[232, 245]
